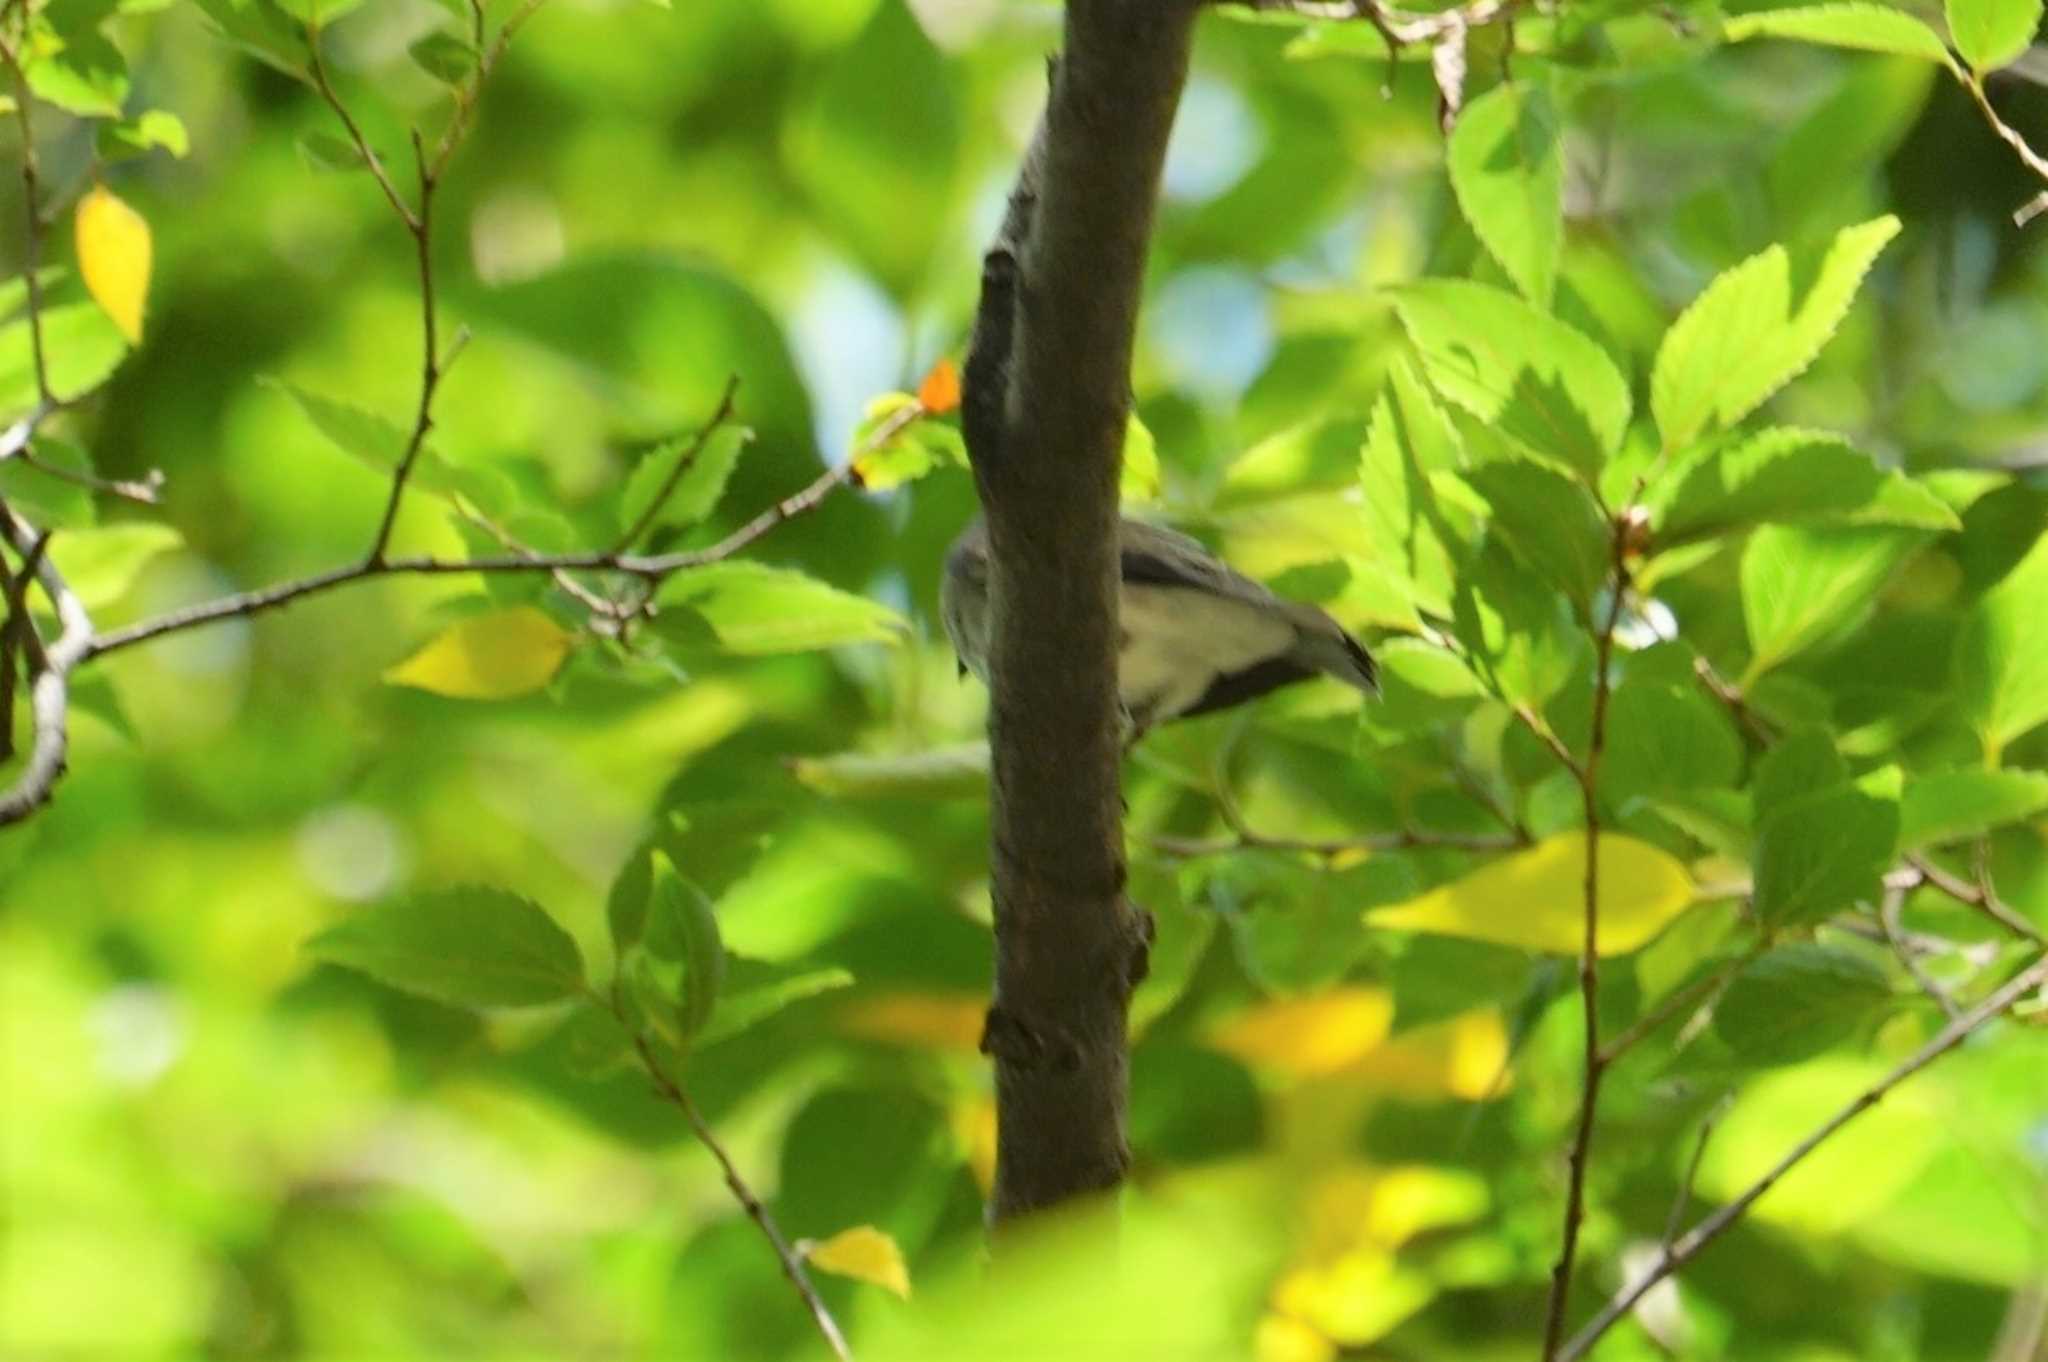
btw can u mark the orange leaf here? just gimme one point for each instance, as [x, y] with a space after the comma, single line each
[940, 391]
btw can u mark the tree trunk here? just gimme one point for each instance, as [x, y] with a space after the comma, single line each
[1047, 399]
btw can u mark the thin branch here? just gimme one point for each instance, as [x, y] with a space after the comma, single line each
[1407, 838]
[1580, 1154]
[143, 491]
[792, 1265]
[318, 69]
[17, 637]
[2030, 158]
[1979, 896]
[1398, 27]
[1681, 1203]
[1536, 724]
[1888, 910]
[421, 226]
[49, 692]
[1699, 991]
[1688, 1247]
[683, 463]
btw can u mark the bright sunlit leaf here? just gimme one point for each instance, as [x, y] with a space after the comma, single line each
[113, 257]
[1536, 898]
[865, 1254]
[936, 1021]
[492, 656]
[1312, 1036]
[940, 391]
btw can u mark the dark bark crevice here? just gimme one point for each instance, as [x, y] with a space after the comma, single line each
[1047, 396]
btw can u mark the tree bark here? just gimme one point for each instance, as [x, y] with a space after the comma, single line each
[1047, 397]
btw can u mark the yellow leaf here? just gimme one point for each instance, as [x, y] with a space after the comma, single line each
[1465, 1056]
[974, 1126]
[113, 257]
[865, 1254]
[1536, 898]
[937, 1021]
[1283, 1338]
[1309, 1037]
[487, 657]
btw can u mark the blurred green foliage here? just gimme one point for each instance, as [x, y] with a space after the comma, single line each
[1410, 381]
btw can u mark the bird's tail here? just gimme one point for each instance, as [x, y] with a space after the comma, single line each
[1331, 650]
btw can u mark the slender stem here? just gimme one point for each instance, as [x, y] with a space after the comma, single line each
[1688, 1247]
[1888, 910]
[1588, 772]
[318, 68]
[792, 1265]
[682, 465]
[32, 247]
[1673, 1003]
[49, 693]
[1246, 840]
[421, 226]
[1979, 896]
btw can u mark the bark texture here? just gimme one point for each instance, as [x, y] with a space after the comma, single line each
[1047, 395]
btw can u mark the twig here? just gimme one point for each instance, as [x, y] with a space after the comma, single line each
[1683, 1201]
[1979, 896]
[1888, 910]
[1398, 27]
[792, 1265]
[1536, 724]
[49, 692]
[1675, 1002]
[2032, 159]
[1588, 774]
[421, 225]
[683, 463]
[1686, 1248]
[1407, 838]
[318, 70]
[143, 491]
[16, 637]
[32, 250]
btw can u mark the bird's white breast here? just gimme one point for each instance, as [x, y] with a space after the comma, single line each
[1178, 640]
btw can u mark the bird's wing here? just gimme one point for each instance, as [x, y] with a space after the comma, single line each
[1159, 557]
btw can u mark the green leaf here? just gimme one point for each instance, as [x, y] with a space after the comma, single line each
[1801, 586]
[1537, 380]
[1421, 684]
[72, 65]
[757, 609]
[1794, 1002]
[696, 490]
[625, 904]
[1804, 762]
[47, 501]
[1520, 635]
[132, 137]
[1786, 476]
[955, 772]
[1549, 521]
[1823, 853]
[1139, 478]
[473, 947]
[877, 156]
[1660, 738]
[1508, 173]
[263, 30]
[327, 152]
[84, 347]
[1992, 33]
[1743, 338]
[101, 564]
[444, 56]
[1948, 806]
[1407, 530]
[926, 443]
[681, 928]
[756, 990]
[1319, 453]
[381, 445]
[2002, 656]
[1863, 27]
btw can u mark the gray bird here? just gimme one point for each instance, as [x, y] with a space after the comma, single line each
[1197, 634]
